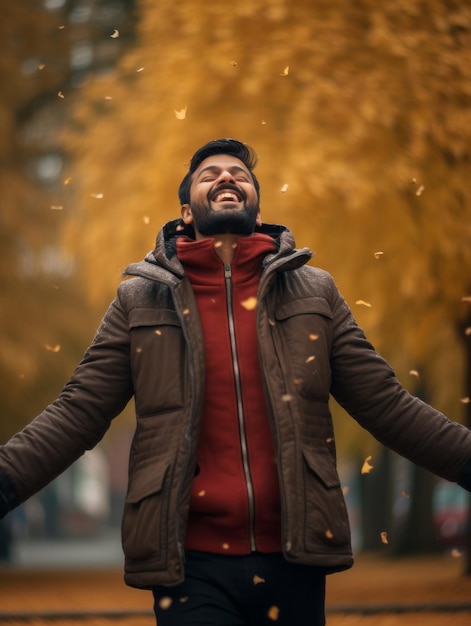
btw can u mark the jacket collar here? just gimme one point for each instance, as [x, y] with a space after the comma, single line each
[164, 256]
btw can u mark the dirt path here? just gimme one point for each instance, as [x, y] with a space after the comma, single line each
[373, 582]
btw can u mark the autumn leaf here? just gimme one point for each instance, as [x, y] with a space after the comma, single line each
[414, 373]
[250, 303]
[165, 602]
[181, 114]
[55, 348]
[366, 468]
[273, 613]
[363, 303]
[115, 34]
[284, 188]
[285, 72]
[384, 537]
[258, 579]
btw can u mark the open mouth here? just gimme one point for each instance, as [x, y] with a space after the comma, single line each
[228, 194]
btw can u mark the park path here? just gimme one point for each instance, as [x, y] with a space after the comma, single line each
[376, 592]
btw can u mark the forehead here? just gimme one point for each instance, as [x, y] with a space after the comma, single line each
[220, 162]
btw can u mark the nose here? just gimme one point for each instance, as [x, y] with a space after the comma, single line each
[225, 176]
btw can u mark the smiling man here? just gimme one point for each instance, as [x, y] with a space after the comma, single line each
[231, 346]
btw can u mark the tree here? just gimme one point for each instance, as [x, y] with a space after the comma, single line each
[362, 109]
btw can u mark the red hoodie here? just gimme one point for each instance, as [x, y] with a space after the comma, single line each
[235, 501]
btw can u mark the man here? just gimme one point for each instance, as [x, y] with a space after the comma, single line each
[231, 346]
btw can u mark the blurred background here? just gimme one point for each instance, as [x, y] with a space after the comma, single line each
[360, 113]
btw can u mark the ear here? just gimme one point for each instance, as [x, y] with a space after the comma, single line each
[258, 219]
[187, 215]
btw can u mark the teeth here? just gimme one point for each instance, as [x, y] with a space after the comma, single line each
[226, 195]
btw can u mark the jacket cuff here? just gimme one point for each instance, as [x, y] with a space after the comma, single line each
[8, 496]
[465, 478]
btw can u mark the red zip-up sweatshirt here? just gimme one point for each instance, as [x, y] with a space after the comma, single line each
[235, 501]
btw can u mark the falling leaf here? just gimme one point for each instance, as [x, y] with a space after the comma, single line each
[60, 94]
[329, 440]
[225, 546]
[378, 255]
[363, 303]
[67, 180]
[115, 34]
[41, 66]
[467, 331]
[384, 537]
[183, 599]
[313, 337]
[61, 27]
[310, 358]
[286, 397]
[181, 114]
[285, 71]
[273, 613]
[284, 188]
[366, 469]
[98, 196]
[329, 534]
[250, 303]
[140, 69]
[218, 244]
[234, 63]
[258, 579]
[186, 311]
[158, 332]
[405, 494]
[55, 348]
[345, 490]
[455, 553]
[420, 190]
[414, 373]
[180, 227]
[271, 322]
[201, 493]
[56, 207]
[146, 219]
[263, 122]
[165, 602]
[465, 400]
[466, 299]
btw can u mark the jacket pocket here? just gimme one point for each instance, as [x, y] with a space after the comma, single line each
[158, 357]
[145, 513]
[326, 519]
[305, 326]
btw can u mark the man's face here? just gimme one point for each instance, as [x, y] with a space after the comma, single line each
[223, 198]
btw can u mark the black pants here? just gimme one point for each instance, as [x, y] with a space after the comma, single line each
[254, 590]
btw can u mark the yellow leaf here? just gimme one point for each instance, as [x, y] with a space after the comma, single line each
[115, 34]
[378, 255]
[284, 189]
[273, 613]
[258, 579]
[285, 71]
[250, 303]
[165, 602]
[414, 373]
[366, 469]
[55, 348]
[181, 114]
[363, 303]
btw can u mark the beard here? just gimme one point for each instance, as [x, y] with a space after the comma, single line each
[225, 221]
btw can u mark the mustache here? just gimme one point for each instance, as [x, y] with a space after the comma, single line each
[229, 187]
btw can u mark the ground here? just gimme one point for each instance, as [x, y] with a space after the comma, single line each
[99, 597]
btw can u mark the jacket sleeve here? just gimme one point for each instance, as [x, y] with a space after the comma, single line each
[98, 390]
[366, 386]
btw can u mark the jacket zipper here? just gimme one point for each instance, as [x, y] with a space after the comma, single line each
[240, 407]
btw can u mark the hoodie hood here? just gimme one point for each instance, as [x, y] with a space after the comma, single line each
[285, 257]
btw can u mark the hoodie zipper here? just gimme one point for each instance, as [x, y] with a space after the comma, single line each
[240, 406]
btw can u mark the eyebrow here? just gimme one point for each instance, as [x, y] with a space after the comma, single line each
[216, 168]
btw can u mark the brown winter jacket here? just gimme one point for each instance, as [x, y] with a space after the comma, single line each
[150, 345]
